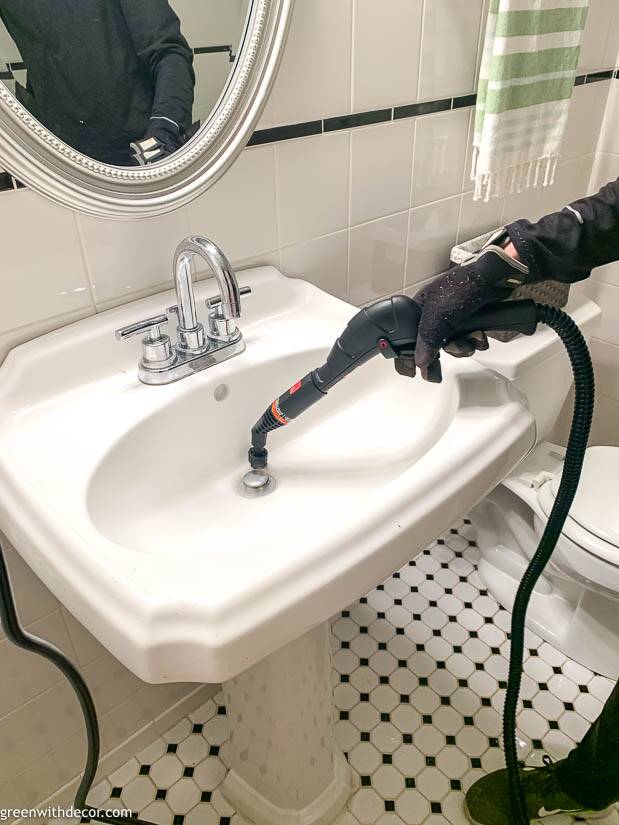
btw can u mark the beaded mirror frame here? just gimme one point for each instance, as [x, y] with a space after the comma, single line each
[37, 157]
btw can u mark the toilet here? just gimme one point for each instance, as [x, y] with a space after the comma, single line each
[575, 605]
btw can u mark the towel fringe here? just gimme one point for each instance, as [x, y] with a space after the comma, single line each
[514, 179]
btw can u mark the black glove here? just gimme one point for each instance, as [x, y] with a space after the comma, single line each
[453, 297]
[163, 138]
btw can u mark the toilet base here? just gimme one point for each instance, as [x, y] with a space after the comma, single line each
[579, 622]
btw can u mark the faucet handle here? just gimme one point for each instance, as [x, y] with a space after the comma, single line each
[150, 325]
[215, 300]
[156, 348]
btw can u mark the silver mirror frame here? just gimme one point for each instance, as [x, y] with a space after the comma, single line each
[43, 162]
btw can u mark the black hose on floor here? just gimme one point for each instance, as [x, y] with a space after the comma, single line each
[584, 379]
[19, 637]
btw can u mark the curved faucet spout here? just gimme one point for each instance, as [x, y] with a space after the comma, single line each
[195, 348]
[222, 270]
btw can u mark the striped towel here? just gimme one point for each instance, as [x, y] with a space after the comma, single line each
[527, 76]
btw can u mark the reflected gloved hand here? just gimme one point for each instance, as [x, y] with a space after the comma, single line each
[163, 138]
[453, 297]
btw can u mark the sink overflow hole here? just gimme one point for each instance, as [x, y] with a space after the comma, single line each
[221, 392]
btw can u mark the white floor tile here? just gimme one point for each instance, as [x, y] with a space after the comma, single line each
[418, 670]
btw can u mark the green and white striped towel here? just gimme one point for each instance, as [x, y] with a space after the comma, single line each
[529, 64]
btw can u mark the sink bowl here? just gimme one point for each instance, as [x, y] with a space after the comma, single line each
[125, 498]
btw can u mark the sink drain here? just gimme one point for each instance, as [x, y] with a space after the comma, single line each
[256, 484]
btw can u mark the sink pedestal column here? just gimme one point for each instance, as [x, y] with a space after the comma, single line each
[285, 765]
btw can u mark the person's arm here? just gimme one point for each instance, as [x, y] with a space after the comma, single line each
[564, 246]
[567, 245]
[156, 34]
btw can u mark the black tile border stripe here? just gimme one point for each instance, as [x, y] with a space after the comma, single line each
[412, 110]
[465, 101]
[216, 50]
[595, 77]
[335, 124]
[7, 182]
[427, 107]
[212, 49]
[281, 133]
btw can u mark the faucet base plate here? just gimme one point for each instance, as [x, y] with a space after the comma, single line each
[188, 364]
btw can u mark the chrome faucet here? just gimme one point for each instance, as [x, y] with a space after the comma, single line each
[194, 350]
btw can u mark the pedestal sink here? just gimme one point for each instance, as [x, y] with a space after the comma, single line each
[125, 500]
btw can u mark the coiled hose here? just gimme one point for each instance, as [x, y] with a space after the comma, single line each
[582, 367]
[584, 380]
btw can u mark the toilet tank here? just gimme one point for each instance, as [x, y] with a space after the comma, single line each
[539, 366]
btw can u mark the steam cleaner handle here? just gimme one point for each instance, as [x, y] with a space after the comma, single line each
[387, 327]
[390, 327]
[504, 316]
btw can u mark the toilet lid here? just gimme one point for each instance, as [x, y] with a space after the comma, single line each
[596, 506]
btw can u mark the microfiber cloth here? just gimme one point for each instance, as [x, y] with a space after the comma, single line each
[529, 64]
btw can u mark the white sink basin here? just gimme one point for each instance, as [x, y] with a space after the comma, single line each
[125, 498]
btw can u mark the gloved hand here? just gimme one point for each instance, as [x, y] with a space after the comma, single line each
[453, 297]
[163, 138]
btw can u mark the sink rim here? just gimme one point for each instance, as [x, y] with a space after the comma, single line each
[160, 643]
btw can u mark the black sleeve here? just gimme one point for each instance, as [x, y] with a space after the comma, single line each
[156, 33]
[567, 245]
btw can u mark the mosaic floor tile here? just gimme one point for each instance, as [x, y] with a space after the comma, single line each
[419, 674]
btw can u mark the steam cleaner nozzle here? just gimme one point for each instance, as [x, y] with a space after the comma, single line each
[388, 327]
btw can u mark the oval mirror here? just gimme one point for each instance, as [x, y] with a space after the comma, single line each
[132, 108]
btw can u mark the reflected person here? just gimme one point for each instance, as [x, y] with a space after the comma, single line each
[105, 74]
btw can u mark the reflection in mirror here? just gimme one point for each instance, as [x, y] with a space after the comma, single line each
[126, 82]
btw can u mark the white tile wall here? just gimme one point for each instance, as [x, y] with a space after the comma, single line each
[380, 170]
[312, 186]
[440, 154]
[386, 45]
[244, 197]
[359, 213]
[449, 48]
[125, 257]
[377, 257]
[43, 277]
[323, 261]
[603, 286]
[601, 39]
[314, 80]
[433, 230]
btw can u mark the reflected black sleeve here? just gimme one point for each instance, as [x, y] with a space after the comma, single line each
[565, 246]
[156, 33]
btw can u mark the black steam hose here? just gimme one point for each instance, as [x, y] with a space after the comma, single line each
[19, 637]
[582, 367]
[584, 380]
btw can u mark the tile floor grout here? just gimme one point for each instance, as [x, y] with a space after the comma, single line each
[419, 669]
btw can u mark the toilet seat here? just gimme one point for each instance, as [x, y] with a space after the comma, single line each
[593, 523]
